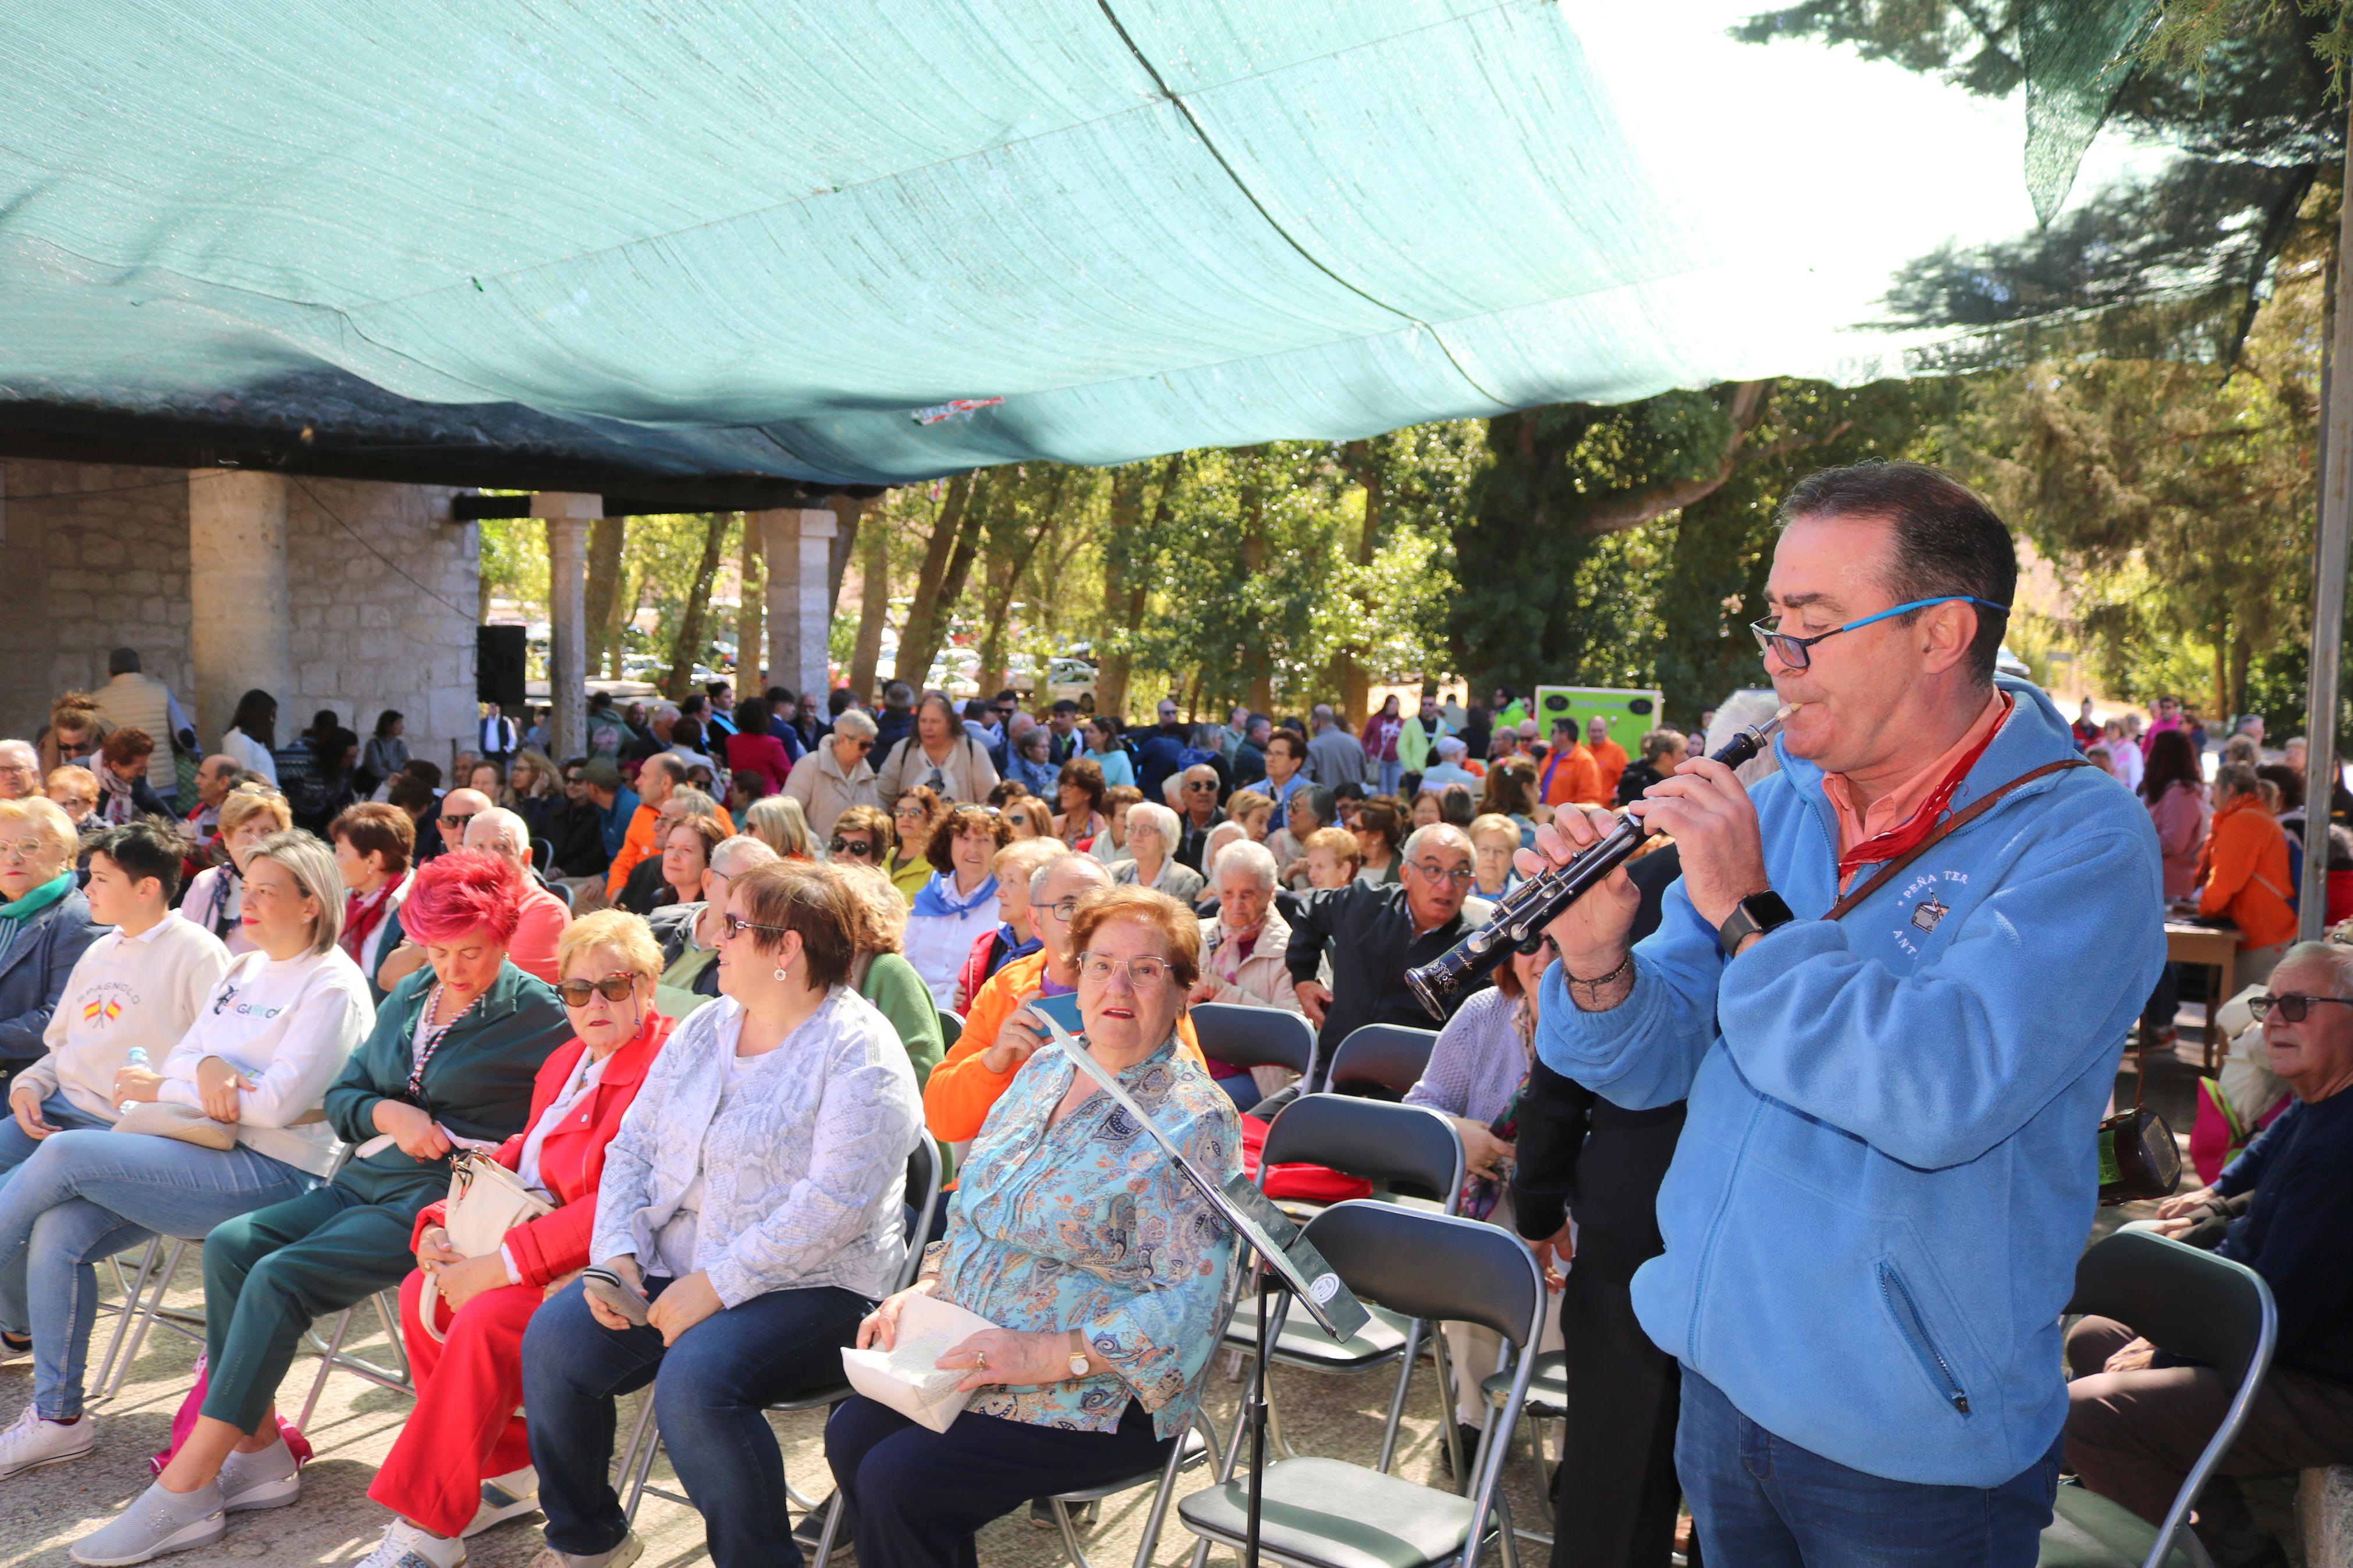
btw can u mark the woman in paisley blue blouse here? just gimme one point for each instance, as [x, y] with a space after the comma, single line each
[754, 1195]
[1103, 1268]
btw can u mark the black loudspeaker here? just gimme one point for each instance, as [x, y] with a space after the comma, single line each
[498, 667]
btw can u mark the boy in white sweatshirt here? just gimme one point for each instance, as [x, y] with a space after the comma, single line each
[141, 985]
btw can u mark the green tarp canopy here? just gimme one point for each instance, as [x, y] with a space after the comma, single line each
[876, 242]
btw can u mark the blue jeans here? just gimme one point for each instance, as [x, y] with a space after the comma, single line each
[57, 1110]
[1391, 773]
[716, 1383]
[90, 1194]
[1764, 1503]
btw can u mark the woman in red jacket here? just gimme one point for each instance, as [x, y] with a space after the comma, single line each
[751, 750]
[462, 1463]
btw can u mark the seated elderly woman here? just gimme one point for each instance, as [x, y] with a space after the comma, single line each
[216, 897]
[959, 903]
[1306, 812]
[690, 932]
[272, 1030]
[1153, 833]
[453, 1055]
[74, 788]
[1103, 1330]
[1333, 858]
[1079, 790]
[1478, 1069]
[462, 1461]
[752, 1198]
[44, 926]
[881, 973]
[1242, 949]
[1111, 845]
[1494, 839]
[1015, 935]
[778, 822]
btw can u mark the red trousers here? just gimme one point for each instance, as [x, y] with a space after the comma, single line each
[465, 1427]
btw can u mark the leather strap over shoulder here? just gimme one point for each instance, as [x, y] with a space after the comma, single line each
[1952, 824]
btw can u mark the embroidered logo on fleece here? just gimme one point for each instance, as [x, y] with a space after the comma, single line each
[1921, 909]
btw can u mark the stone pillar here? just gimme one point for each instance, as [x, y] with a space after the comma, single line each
[567, 514]
[795, 543]
[241, 630]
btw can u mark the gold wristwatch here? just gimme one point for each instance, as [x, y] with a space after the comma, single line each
[1078, 1354]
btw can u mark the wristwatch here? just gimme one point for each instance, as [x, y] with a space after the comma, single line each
[1078, 1354]
[1752, 916]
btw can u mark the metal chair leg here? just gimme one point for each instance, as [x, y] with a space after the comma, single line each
[645, 1466]
[134, 1291]
[1070, 1533]
[832, 1525]
[326, 1365]
[1161, 1498]
[625, 1462]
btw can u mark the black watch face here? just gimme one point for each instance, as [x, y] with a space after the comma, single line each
[1765, 911]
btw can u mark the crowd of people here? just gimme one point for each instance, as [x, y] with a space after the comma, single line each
[694, 997]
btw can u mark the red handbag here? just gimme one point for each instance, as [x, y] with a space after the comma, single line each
[1303, 1184]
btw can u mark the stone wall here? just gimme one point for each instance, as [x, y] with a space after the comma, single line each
[383, 598]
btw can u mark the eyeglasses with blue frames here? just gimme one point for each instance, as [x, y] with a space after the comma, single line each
[1795, 652]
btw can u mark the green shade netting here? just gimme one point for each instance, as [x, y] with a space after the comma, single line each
[742, 238]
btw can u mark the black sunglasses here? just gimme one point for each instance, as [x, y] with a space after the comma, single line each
[856, 848]
[2292, 1007]
[613, 988]
[460, 820]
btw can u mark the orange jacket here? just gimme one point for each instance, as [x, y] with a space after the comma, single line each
[2246, 875]
[957, 1095]
[1609, 759]
[1573, 775]
[638, 842]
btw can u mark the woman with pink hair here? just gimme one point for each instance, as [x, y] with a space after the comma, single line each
[452, 1059]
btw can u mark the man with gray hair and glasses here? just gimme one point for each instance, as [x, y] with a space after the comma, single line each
[2136, 1419]
[20, 770]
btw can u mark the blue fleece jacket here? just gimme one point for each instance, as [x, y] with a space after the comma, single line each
[1888, 1165]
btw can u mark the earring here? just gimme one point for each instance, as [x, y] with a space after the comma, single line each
[781, 972]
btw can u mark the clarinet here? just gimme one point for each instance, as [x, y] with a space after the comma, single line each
[1522, 914]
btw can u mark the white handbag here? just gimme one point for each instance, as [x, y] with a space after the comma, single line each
[486, 1201]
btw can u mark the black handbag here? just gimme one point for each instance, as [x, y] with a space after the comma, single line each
[2139, 1158]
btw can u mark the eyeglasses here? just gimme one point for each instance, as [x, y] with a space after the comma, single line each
[458, 821]
[737, 926]
[1061, 909]
[29, 851]
[1142, 973]
[2292, 1007]
[856, 848]
[1792, 649]
[614, 987]
[1433, 872]
[1202, 784]
[864, 743]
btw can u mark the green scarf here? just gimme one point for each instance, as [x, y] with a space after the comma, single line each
[39, 899]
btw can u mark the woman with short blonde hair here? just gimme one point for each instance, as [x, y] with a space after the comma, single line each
[778, 822]
[44, 926]
[215, 898]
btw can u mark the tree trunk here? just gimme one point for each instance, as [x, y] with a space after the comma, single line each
[1253, 652]
[947, 562]
[2222, 673]
[849, 513]
[2240, 655]
[607, 535]
[751, 613]
[1354, 679]
[698, 599]
[873, 610]
[1124, 585]
[997, 610]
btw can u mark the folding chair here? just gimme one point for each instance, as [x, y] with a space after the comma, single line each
[637, 1460]
[1408, 1144]
[1548, 1400]
[1325, 1513]
[1197, 1447]
[143, 1308]
[1254, 1036]
[1382, 1060]
[951, 1028]
[332, 1354]
[2192, 1305]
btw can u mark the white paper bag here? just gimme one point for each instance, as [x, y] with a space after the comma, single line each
[904, 1376]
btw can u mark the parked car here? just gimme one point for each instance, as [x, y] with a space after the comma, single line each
[1072, 680]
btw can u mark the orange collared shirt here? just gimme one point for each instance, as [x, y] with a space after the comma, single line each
[1896, 806]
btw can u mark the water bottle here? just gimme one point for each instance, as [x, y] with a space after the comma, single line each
[137, 1058]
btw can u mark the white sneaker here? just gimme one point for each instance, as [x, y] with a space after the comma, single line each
[29, 1442]
[406, 1546]
[505, 1498]
[157, 1522]
[15, 1348]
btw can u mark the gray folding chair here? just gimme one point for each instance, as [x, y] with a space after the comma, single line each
[1382, 1060]
[635, 1461]
[1325, 1513]
[141, 1310]
[2199, 1308]
[951, 1028]
[1402, 1145]
[334, 1356]
[1249, 1036]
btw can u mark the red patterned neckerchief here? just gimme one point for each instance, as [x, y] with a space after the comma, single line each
[1899, 839]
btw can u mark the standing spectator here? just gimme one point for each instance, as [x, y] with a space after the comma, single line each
[1609, 757]
[252, 735]
[1380, 744]
[1371, 935]
[1247, 764]
[607, 730]
[754, 752]
[73, 734]
[1286, 767]
[1103, 750]
[216, 898]
[316, 801]
[2243, 874]
[45, 926]
[1333, 756]
[538, 735]
[719, 718]
[1664, 751]
[386, 752]
[1571, 776]
[2174, 792]
[897, 719]
[1235, 732]
[1420, 734]
[983, 723]
[1153, 834]
[2131, 766]
[1063, 739]
[135, 701]
[940, 755]
[1161, 753]
[2086, 729]
[2165, 714]
[1476, 731]
[497, 737]
[1198, 791]
[122, 778]
[834, 774]
[959, 903]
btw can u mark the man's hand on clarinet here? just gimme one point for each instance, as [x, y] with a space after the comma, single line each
[1592, 932]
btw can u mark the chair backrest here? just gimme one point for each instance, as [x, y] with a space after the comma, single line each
[2195, 1306]
[563, 891]
[1254, 1036]
[1408, 1144]
[1382, 1057]
[951, 1028]
[1433, 1266]
[923, 1197]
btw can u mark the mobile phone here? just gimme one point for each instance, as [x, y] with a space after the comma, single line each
[616, 1292]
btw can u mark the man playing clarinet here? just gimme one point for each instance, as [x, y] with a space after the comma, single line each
[1892, 984]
